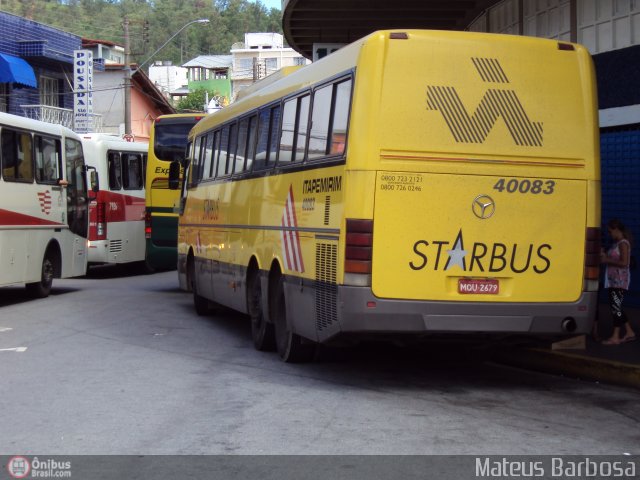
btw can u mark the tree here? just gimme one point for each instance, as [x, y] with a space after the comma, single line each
[102, 20]
[195, 101]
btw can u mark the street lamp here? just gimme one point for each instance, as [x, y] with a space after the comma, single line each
[129, 72]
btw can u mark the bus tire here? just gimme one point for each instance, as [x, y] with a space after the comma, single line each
[291, 347]
[42, 288]
[262, 331]
[200, 303]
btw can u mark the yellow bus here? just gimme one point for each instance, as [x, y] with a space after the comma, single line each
[167, 142]
[422, 183]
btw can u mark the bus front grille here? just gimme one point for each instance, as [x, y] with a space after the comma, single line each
[326, 288]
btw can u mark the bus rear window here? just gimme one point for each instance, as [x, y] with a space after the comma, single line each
[171, 140]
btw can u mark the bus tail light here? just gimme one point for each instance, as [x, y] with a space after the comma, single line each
[592, 259]
[147, 225]
[358, 252]
[101, 221]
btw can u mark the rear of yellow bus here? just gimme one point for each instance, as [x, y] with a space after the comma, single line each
[483, 155]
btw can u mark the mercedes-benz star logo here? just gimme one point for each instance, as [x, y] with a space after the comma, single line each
[483, 206]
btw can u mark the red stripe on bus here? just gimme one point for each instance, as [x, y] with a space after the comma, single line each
[119, 207]
[9, 218]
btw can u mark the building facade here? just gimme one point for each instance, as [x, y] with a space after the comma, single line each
[172, 80]
[35, 69]
[147, 102]
[36, 79]
[260, 55]
[211, 73]
[107, 53]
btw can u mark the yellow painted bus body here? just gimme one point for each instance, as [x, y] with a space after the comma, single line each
[474, 156]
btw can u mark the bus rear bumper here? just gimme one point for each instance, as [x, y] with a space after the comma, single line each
[98, 252]
[359, 311]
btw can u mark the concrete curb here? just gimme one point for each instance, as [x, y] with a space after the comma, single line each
[573, 365]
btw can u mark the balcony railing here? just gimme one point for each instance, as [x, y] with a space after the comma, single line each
[59, 116]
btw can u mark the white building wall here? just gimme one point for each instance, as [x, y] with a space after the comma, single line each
[267, 52]
[168, 77]
[109, 101]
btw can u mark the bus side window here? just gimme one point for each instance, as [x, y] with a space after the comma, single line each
[25, 157]
[208, 154]
[262, 149]
[340, 118]
[9, 154]
[47, 156]
[115, 171]
[276, 113]
[195, 169]
[288, 132]
[144, 169]
[243, 133]
[132, 169]
[321, 116]
[251, 142]
[214, 153]
[233, 145]
[222, 152]
[301, 128]
[17, 150]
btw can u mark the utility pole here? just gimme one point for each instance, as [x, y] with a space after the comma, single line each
[127, 77]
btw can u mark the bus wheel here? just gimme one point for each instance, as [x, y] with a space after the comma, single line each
[291, 347]
[200, 303]
[262, 331]
[42, 288]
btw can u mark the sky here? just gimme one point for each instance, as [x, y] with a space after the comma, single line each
[271, 3]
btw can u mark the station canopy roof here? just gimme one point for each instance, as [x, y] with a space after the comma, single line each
[306, 22]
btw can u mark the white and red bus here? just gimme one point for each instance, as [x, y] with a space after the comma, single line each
[116, 216]
[43, 204]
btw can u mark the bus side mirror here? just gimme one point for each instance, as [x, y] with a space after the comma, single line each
[95, 181]
[174, 175]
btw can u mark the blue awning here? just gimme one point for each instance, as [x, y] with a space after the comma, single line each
[16, 70]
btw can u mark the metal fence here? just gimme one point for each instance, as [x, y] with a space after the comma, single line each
[59, 116]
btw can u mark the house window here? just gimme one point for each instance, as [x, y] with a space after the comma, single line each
[245, 66]
[49, 94]
[198, 74]
[271, 63]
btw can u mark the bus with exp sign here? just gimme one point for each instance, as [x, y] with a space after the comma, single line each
[167, 143]
[373, 195]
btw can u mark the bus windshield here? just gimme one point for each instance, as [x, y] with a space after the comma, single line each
[171, 140]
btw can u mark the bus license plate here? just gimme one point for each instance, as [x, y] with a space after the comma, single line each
[478, 286]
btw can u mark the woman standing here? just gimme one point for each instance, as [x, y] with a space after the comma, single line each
[617, 278]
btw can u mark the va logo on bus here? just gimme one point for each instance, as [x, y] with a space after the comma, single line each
[496, 103]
